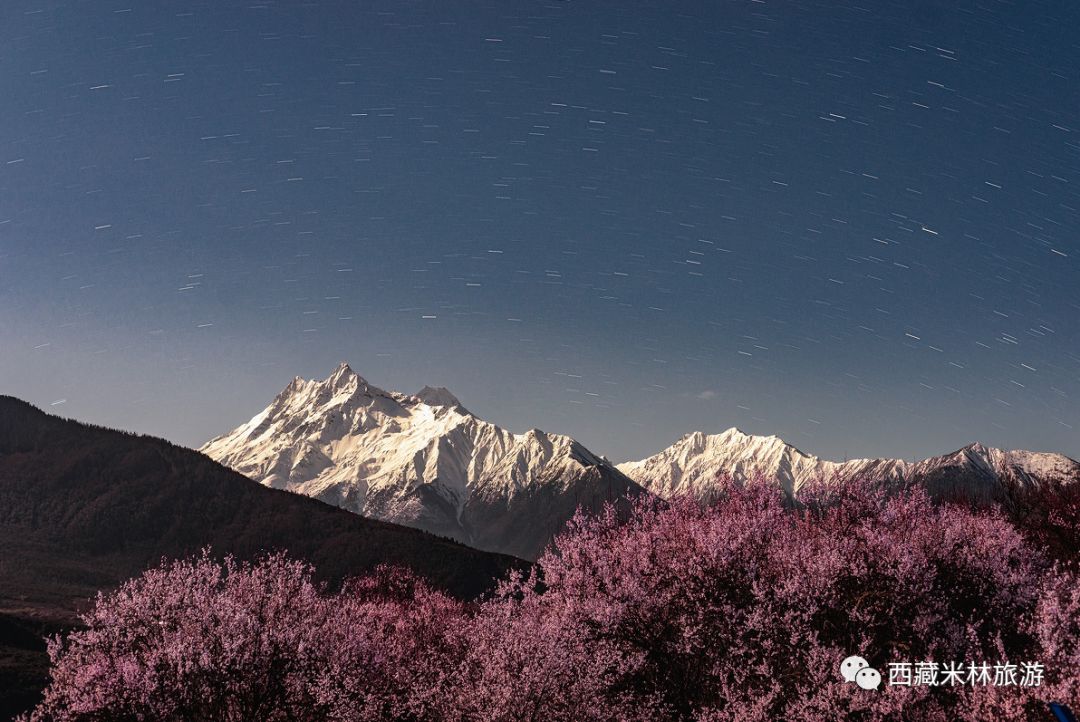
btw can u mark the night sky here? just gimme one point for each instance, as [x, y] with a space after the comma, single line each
[855, 225]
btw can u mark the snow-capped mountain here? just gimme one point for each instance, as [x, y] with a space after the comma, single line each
[420, 460]
[693, 463]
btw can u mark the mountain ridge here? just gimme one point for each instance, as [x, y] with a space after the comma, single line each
[420, 460]
[693, 463]
[425, 461]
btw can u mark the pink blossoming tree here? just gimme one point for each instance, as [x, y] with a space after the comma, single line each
[740, 611]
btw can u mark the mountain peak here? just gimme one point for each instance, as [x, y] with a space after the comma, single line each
[345, 382]
[342, 374]
[438, 396]
[736, 436]
[733, 438]
[422, 461]
[695, 463]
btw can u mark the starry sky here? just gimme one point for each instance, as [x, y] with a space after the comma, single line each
[855, 225]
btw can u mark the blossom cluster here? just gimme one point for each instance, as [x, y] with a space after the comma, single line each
[736, 611]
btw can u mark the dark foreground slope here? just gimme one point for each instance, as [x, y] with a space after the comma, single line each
[83, 508]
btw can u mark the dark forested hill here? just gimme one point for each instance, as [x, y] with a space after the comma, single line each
[83, 508]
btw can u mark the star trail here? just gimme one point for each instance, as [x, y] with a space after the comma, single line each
[853, 225]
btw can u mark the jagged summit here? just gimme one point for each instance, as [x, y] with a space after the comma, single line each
[345, 380]
[693, 464]
[421, 460]
[344, 374]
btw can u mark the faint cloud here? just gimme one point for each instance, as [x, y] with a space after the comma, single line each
[707, 394]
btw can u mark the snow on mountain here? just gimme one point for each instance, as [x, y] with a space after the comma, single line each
[422, 461]
[438, 397]
[425, 461]
[692, 464]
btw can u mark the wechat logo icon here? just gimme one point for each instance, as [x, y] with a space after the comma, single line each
[858, 670]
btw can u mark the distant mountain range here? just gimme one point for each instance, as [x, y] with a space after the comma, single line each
[693, 464]
[84, 508]
[423, 460]
[420, 460]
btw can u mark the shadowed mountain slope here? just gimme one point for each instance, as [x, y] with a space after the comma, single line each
[83, 508]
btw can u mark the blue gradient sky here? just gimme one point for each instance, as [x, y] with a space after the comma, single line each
[853, 225]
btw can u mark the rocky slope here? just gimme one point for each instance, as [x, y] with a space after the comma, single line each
[420, 460]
